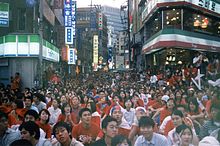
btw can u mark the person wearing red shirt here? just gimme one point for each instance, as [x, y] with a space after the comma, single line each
[43, 123]
[86, 131]
[123, 126]
[96, 118]
[67, 116]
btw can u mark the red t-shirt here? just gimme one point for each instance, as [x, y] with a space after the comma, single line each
[46, 127]
[79, 130]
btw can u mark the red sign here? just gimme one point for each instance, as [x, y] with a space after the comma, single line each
[64, 53]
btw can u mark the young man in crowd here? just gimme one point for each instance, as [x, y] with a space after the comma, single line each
[62, 131]
[86, 131]
[31, 132]
[149, 137]
[110, 129]
[7, 135]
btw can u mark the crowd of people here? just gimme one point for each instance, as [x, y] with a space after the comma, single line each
[149, 108]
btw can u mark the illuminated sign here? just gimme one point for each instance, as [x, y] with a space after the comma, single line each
[70, 21]
[74, 18]
[100, 21]
[71, 56]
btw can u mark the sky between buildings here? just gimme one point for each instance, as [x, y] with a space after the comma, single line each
[112, 3]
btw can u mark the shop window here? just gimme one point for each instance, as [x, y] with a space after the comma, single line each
[202, 23]
[197, 22]
[153, 26]
[172, 18]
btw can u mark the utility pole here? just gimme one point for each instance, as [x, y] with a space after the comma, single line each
[40, 43]
[129, 47]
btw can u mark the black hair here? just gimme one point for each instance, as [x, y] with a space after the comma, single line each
[84, 110]
[107, 120]
[61, 124]
[92, 106]
[19, 103]
[47, 112]
[177, 112]
[28, 97]
[21, 142]
[182, 127]
[146, 121]
[194, 102]
[32, 113]
[63, 108]
[32, 128]
[118, 139]
[128, 99]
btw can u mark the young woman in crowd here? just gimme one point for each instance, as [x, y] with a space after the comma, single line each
[185, 135]
[43, 123]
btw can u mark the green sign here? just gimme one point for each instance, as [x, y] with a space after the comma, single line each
[4, 14]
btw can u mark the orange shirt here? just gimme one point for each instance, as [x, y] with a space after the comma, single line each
[46, 127]
[164, 113]
[64, 118]
[169, 126]
[79, 130]
[96, 120]
[123, 131]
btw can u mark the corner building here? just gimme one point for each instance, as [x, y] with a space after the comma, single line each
[173, 31]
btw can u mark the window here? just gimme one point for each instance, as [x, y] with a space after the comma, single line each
[154, 25]
[172, 18]
[197, 22]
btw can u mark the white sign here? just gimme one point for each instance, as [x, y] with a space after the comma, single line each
[71, 56]
[69, 35]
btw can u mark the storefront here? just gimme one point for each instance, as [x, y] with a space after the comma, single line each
[20, 53]
[174, 31]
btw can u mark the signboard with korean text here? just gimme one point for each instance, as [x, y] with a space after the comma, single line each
[71, 56]
[4, 14]
[27, 46]
[74, 18]
[68, 21]
[95, 49]
[211, 5]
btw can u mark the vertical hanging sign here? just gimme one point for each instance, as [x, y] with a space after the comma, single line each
[68, 22]
[74, 18]
[71, 56]
[100, 21]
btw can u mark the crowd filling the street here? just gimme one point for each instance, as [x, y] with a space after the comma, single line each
[160, 106]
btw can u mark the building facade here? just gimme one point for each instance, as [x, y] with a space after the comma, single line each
[91, 22]
[115, 26]
[30, 43]
[172, 32]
